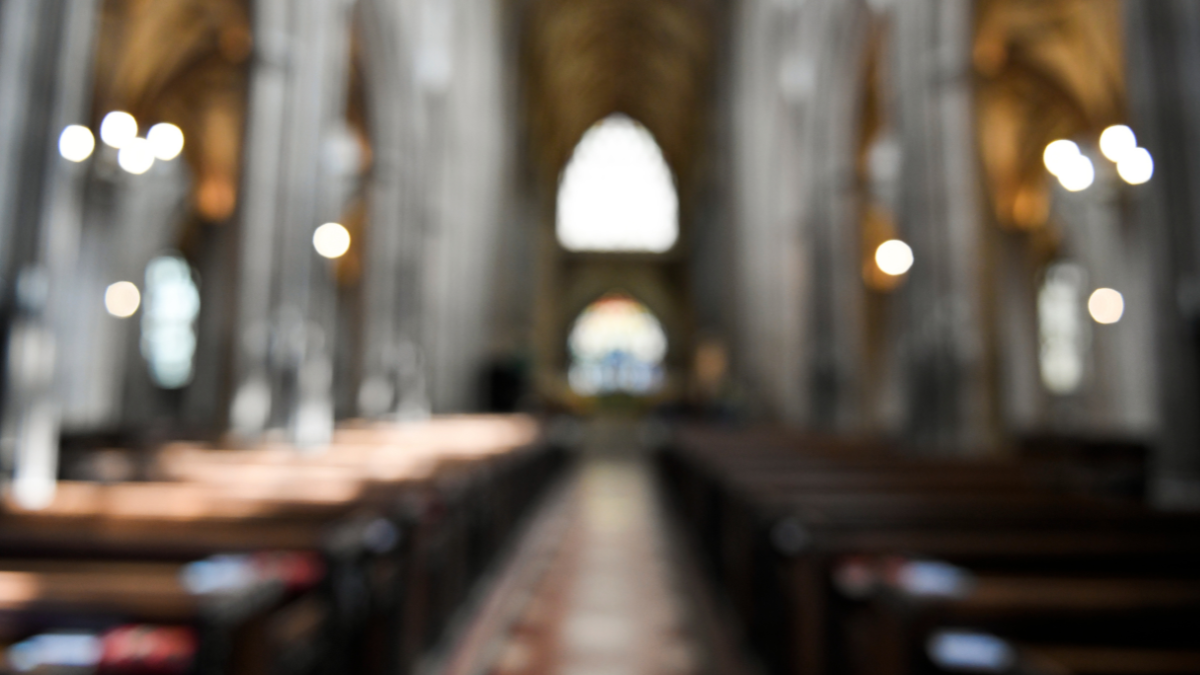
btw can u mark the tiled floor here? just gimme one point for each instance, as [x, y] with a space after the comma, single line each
[608, 603]
[595, 587]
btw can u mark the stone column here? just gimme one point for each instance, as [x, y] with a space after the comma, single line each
[771, 252]
[942, 342]
[297, 102]
[1163, 38]
[393, 381]
[837, 292]
[45, 77]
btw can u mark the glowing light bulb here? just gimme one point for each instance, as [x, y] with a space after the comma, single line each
[1059, 156]
[167, 141]
[331, 240]
[1077, 175]
[76, 143]
[1106, 306]
[1136, 167]
[1117, 141]
[122, 299]
[118, 129]
[894, 257]
[137, 156]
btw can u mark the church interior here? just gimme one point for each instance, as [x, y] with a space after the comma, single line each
[599, 337]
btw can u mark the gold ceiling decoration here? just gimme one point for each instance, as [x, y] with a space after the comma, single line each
[1046, 69]
[586, 59]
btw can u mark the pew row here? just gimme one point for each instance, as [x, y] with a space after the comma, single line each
[775, 517]
[396, 523]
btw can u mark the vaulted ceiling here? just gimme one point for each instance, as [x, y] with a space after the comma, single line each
[184, 62]
[586, 59]
[1046, 69]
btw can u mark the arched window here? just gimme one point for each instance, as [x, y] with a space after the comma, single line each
[168, 321]
[617, 192]
[617, 346]
[1062, 328]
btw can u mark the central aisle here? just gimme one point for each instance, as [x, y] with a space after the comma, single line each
[596, 587]
[609, 603]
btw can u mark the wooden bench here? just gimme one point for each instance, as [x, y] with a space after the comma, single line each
[774, 519]
[404, 520]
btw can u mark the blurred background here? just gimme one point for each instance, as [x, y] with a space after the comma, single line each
[306, 230]
[965, 226]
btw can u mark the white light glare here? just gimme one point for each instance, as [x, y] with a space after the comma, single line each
[122, 299]
[1059, 156]
[894, 257]
[137, 156]
[617, 192]
[76, 143]
[958, 650]
[1136, 167]
[1106, 306]
[1117, 142]
[331, 240]
[166, 140]
[118, 129]
[1078, 175]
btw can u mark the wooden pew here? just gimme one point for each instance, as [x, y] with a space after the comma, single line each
[773, 520]
[265, 626]
[445, 494]
[909, 618]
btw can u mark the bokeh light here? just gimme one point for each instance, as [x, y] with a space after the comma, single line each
[331, 240]
[137, 157]
[118, 129]
[76, 143]
[122, 299]
[1059, 156]
[1077, 175]
[1117, 141]
[166, 140]
[1136, 167]
[1106, 306]
[894, 257]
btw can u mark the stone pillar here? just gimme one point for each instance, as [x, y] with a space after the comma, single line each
[393, 378]
[832, 127]
[772, 253]
[45, 77]
[1163, 38]
[942, 342]
[297, 103]
[463, 123]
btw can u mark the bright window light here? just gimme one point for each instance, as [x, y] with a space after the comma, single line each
[136, 157]
[331, 240]
[1062, 328]
[1106, 306]
[617, 192]
[168, 321]
[894, 257]
[118, 129]
[617, 345]
[76, 143]
[1136, 167]
[122, 299]
[166, 141]
[1117, 141]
